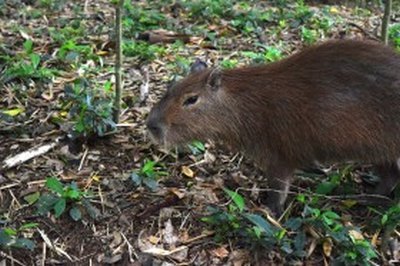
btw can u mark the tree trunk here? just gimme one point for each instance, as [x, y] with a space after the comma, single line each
[118, 61]
[386, 20]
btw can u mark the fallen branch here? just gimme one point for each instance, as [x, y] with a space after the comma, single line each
[27, 155]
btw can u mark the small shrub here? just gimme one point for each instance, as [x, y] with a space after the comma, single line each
[148, 174]
[61, 198]
[143, 50]
[394, 35]
[27, 65]
[90, 108]
[13, 238]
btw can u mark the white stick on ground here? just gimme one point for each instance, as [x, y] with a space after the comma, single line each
[27, 155]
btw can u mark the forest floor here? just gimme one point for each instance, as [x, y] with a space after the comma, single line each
[119, 199]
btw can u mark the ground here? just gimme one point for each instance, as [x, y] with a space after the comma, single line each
[131, 211]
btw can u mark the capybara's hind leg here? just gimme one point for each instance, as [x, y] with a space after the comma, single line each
[390, 178]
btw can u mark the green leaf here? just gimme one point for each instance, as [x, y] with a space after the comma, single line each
[301, 198]
[108, 86]
[294, 223]
[325, 188]
[28, 46]
[5, 238]
[10, 231]
[261, 223]
[237, 199]
[300, 241]
[24, 243]
[136, 179]
[59, 207]
[75, 213]
[151, 183]
[384, 219]
[13, 112]
[148, 167]
[32, 198]
[257, 231]
[35, 60]
[92, 211]
[199, 145]
[55, 185]
[28, 226]
[46, 203]
[71, 193]
[331, 215]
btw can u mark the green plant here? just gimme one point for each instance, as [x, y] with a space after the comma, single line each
[351, 247]
[143, 50]
[339, 178]
[197, 147]
[138, 19]
[13, 238]
[236, 223]
[70, 32]
[270, 54]
[248, 19]
[391, 217]
[61, 198]
[148, 174]
[308, 36]
[52, 4]
[26, 65]
[207, 10]
[229, 63]
[74, 53]
[90, 108]
[394, 35]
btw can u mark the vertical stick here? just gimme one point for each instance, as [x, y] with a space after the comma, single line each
[118, 60]
[385, 21]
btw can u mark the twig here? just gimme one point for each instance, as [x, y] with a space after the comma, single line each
[44, 252]
[203, 235]
[49, 243]
[130, 248]
[11, 258]
[83, 159]
[366, 33]
[9, 186]
[144, 88]
[27, 155]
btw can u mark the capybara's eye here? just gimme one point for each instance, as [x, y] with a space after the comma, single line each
[191, 100]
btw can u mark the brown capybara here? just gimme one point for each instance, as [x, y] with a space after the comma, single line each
[335, 101]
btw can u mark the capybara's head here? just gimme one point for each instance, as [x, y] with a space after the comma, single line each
[192, 109]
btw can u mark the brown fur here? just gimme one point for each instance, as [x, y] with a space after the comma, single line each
[336, 101]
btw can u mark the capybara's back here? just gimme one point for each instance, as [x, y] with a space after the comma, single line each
[336, 101]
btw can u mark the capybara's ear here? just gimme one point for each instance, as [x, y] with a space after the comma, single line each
[214, 79]
[198, 66]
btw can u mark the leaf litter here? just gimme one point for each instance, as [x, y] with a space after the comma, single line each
[128, 224]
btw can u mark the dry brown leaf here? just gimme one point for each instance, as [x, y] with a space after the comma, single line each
[187, 171]
[179, 193]
[374, 239]
[356, 235]
[154, 240]
[220, 252]
[327, 247]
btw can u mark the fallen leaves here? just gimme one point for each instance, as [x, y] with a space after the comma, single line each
[187, 171]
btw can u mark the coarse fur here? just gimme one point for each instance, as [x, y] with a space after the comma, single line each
[336, 101]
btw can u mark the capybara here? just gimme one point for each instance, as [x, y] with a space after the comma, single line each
[332, 102]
